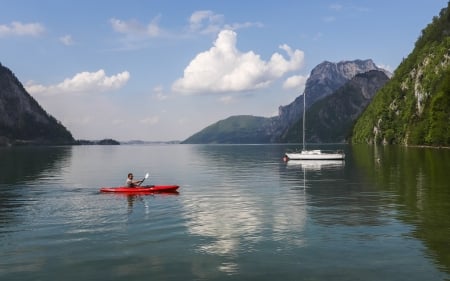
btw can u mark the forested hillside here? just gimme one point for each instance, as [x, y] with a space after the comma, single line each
[414, 106]
[22, 119]
[235, 129]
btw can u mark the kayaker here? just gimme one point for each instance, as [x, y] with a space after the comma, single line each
[131, 182]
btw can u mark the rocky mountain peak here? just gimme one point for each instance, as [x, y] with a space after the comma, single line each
[327, 77]
[324, 79]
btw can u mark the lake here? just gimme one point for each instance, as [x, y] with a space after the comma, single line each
[241, 214]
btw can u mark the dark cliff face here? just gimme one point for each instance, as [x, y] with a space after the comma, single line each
[324, 79]
[331, 119]
[22, 119]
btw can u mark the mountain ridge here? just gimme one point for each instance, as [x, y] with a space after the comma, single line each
[324, 79]
[330, 120]
[22, 119]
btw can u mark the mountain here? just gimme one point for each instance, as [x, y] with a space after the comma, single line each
[235, 129]
[414, 106]
[331, 118]
[324, 79]
[22, 119]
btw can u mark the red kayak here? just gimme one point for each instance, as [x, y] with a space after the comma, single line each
[142, 189]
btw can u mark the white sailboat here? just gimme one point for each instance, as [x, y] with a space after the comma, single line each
[315, 154]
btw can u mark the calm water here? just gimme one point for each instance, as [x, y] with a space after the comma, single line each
[241, 214]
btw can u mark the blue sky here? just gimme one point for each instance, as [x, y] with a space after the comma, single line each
[164, 69]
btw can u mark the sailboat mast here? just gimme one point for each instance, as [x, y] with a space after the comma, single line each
[304, 115]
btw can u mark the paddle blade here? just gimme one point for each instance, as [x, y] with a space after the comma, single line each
[146, 175]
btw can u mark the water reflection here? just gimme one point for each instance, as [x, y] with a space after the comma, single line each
[240, 208]
[419, 177]
[241, 214]
[316, 164]
[24, 167]
[139, 197]
[225, 224]
[229, 228]
[19, 164]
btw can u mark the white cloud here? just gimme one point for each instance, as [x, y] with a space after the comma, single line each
[205, 22]
[66, 40]
[224, 69]
[295, 82]
[208, 22]
[236, 26]
[21, 29]
[84, 82]
[135, 28]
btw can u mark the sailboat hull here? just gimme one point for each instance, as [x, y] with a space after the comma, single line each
[312, 154]
[315, 155]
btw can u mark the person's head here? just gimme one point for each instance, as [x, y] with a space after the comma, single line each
[130, 175]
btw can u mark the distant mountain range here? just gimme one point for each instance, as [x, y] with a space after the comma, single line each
[324, 80]
[236, 129]
[349, 99]
[412, 108]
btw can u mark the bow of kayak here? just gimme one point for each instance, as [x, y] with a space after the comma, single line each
[140, 189]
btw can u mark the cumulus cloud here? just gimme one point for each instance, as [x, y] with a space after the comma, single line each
[21, 29]
[295, 82]
[224, 69]
[84, 82]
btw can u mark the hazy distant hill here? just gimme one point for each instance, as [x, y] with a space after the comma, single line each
[325, 79]
[236, 129]
[414, 107]
[22, 119]
[330, 119]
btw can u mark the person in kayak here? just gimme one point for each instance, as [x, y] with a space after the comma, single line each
[131, 182]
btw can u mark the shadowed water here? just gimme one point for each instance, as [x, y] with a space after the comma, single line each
[241, 214]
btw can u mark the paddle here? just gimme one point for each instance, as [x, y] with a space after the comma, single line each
[146, 176]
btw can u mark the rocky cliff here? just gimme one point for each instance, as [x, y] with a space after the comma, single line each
[22, 119]
[330, 119]
[324, 80]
